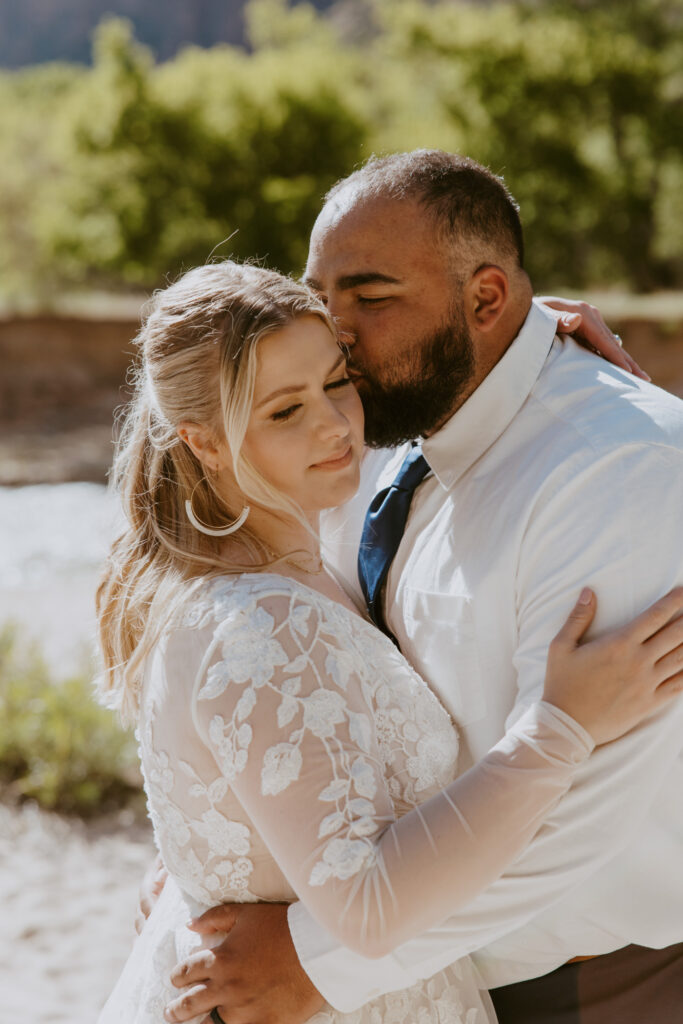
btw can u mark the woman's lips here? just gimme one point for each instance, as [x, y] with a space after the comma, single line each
[336, 462]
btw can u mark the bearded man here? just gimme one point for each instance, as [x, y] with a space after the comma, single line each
[546, 469]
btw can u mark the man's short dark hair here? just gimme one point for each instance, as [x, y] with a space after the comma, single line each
[467, 199]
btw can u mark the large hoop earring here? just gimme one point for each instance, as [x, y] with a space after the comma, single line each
[214, 531]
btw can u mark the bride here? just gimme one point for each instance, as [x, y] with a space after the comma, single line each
[289, 750]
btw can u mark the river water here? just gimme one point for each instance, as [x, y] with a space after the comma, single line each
[53, 540]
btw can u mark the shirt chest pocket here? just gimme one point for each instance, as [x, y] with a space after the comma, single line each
[442, 645]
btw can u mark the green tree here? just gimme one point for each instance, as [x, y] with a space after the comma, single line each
[125, 173]
[582, 114]
[217, 145]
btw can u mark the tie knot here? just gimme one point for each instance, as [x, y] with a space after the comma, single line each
[413, 470]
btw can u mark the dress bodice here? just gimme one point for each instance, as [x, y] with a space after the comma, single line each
[237, 646]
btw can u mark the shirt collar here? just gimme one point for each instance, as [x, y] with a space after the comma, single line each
[492, 407]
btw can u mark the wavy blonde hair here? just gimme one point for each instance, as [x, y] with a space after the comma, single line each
[197, 363]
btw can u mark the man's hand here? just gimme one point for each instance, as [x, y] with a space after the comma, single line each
[585, 322]
[253, 977]
[150, 890]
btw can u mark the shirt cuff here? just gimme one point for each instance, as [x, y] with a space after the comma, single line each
[344, 979]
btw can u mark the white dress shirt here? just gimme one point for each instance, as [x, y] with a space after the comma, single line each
[560, 471]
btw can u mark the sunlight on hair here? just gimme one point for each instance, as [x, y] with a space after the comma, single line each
[198, 362]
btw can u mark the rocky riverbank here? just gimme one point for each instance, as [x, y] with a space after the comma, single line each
[62, 379]
[64, 375]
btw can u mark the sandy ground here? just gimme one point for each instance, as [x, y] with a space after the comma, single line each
[68, 893]
[68, 889]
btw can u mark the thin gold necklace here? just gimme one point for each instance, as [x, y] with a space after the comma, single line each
[297, 565]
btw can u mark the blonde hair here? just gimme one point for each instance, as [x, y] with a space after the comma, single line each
[198, 345]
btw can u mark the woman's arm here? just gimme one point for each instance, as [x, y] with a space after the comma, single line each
[299, 745]
[240, 977]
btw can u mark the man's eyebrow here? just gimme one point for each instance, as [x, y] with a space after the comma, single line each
[370, 277]
[293, 388]
[349, 281]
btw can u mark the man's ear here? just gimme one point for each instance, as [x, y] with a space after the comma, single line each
[203, 445]
[486, 295]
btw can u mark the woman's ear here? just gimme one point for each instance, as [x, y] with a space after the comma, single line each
[486, 295]
[203, 445]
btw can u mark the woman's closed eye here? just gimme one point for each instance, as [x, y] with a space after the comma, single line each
[285, 414]
[340, 383]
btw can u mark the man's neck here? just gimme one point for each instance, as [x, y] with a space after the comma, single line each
[489, 350]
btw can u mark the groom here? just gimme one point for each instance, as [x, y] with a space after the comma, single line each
[549, 470]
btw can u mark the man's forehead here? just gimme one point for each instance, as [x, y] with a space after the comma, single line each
[360, 235]
[350, 210]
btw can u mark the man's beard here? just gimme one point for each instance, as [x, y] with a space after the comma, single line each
[398, 412]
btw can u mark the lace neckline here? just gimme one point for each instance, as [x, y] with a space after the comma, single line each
[356, 617]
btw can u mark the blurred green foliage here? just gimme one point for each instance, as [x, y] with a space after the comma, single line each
[127, 172]
[57, 745]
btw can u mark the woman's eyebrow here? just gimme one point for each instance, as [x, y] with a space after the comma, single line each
[291, 389]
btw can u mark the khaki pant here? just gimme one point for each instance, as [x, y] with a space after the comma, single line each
[634, 985]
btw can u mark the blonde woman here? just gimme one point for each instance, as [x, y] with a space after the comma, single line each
[289, 750]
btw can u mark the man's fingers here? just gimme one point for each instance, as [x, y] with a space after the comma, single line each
[217, 919]
[195, 1001]
[193, 970]
[658, 616]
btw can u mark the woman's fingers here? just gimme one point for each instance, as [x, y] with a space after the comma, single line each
[587, 324]
[669, 666]
[670, 689]
[580, 618]
[665, 640]
[637, 370]
[658, 616]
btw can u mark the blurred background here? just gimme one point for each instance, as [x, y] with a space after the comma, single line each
[138, 139]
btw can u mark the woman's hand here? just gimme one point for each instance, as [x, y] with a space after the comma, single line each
[585, 322]
[611, 684]
[150, 891]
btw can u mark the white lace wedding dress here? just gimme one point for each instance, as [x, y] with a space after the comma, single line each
[290, 752]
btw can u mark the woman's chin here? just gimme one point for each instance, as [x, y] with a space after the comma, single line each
[339, 491]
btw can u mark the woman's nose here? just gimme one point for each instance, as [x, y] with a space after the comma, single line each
[333, 421]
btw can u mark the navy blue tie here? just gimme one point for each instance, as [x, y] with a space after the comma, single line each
[385, 522]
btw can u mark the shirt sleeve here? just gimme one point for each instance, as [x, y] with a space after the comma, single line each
[288, 716]
[614, 526]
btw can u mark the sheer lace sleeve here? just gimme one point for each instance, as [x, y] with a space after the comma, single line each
[291, 708]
